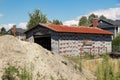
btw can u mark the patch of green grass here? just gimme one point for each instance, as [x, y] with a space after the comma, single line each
[52, 78]
[25, 74]
[75, 59]
[12, 73]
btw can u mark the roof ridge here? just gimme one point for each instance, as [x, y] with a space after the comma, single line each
[78, 29]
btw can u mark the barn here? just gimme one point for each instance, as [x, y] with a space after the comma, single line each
[70, 40]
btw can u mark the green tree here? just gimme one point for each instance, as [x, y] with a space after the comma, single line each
[91, 17]
[57, 22]
[3, 31]
[116, 41]
[102, 17]
[116, 44]
[35, 18]
[9, 32]
[83, 21]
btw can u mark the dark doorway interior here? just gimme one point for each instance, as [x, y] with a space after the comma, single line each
[43, 40]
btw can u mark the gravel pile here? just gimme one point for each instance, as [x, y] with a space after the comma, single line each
[42, 63]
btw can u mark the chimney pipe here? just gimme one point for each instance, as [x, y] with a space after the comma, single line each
[95, 22]
[14, 30]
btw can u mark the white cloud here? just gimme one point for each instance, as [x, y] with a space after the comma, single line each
[71, 22]
[6, 26]
[9, 26]
[1, 15]
[22, 25]
[111, 13]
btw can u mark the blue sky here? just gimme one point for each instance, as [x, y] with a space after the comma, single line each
[16, 11]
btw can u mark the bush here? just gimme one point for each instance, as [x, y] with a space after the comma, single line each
[116, 43]
[12, 73]
[25, 75]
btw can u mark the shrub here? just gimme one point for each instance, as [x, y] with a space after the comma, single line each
[116, 43]
[25, 75]
[12, 73]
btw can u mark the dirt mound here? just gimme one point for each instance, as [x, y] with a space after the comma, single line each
[40, 61]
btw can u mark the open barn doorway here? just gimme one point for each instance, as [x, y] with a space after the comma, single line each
[43, 40]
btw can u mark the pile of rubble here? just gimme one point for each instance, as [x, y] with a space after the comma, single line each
[42, 63]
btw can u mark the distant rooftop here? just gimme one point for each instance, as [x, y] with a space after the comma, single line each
[20, 30]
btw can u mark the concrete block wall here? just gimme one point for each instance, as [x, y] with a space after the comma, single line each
[71, 44]
[54, 42]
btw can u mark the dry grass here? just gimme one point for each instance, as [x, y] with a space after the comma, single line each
[92, 64]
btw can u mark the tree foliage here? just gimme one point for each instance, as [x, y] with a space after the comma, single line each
[83, 21]
[116, 41]
[35, 18]
[91, 17]
[57, 22]
[102, 17]
[116, 44]
[10, 32]
[3, 31]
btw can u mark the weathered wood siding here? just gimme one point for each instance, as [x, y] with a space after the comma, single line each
[42, 31]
